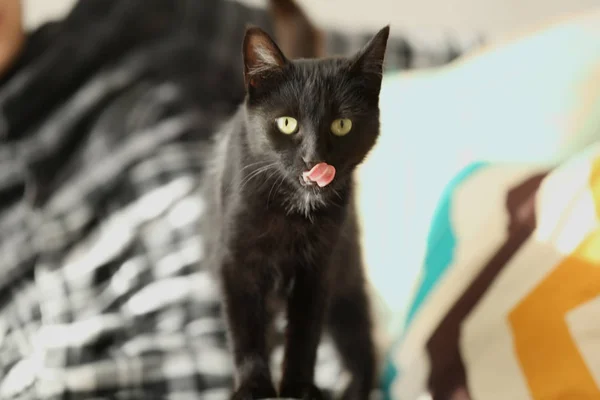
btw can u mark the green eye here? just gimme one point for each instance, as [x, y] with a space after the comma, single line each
[341, 127]
[287, 125]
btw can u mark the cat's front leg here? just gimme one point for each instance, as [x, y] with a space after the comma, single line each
[306, 310]
[244, 295]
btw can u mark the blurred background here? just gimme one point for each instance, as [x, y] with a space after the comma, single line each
[494, 18]
[104, 288]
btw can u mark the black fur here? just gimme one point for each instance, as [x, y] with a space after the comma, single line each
[276, 238]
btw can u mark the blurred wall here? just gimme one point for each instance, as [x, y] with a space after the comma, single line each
[493, 18]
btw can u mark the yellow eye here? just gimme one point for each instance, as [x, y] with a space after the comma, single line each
[287, 125]
[341, 127]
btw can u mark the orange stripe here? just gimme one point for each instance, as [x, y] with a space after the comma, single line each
[549, 357]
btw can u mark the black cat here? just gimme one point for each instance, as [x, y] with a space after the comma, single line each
[282, 214]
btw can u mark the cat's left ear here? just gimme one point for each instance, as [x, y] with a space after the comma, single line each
[262, 57]
[369, 60]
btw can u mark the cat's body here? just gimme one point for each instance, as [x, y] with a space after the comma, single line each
[279, 236]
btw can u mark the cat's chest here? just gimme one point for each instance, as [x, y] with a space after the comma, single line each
[279, 239]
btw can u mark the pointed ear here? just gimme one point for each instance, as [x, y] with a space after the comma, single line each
[262, 57]
[369, 60]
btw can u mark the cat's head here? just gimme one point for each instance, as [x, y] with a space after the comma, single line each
[310, 111]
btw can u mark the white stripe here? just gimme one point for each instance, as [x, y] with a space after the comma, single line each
[143, 142]
[412, 383]
[586, 335]
[78, 333]
[118, 231]
[159, 294]
[565, 214]
[480, 221]
[486, 339]
[209, 361]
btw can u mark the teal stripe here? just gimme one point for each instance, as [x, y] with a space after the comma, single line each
[390, 372]
[441, 241]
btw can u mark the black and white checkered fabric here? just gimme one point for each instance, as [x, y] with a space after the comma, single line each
[105, 118]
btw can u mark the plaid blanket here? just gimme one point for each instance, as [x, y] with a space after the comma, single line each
[104, 292]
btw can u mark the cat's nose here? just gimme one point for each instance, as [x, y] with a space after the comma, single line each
[309, 163]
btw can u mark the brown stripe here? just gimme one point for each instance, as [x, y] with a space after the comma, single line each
[447, 369]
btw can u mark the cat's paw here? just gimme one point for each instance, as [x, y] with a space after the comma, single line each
[304, 391]
[255, 391]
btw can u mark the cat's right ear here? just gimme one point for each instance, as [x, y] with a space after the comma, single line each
[369, 60]
[262, 57]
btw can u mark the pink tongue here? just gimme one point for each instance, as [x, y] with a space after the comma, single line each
[322, 174]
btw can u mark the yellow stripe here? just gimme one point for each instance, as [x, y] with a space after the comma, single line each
[549, 357]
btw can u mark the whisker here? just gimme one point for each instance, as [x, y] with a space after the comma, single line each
[337, 193]
[256, 173]
[243, 169]
[251, 176]
[253, 164]
[280, 181]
